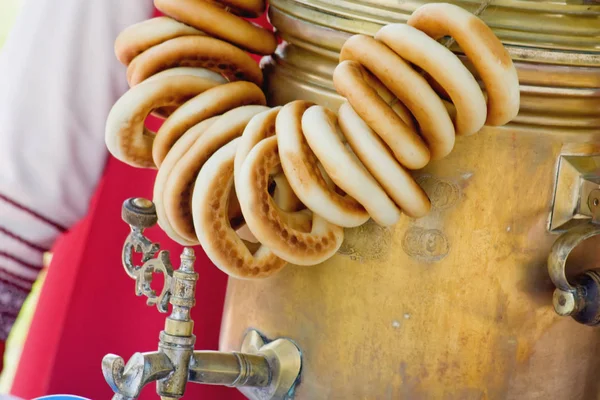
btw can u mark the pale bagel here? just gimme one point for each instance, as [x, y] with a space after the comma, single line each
[137, 38]
[215, 101]
[190, 71]
[301, 169]
[343, 167]
[126, 136]
[195, 51]
[409, 87]
[442, 65]
[209, 209]
[482, 48]
[389, 98]
[408, 147]
[218, 22]
[178, 188]
[377, 158]
[178, 150]
[261, 127]
[164, 112]
[265, 220]
[244, 8]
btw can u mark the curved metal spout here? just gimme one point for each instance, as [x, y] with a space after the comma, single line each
[129, 380]
[230, 369]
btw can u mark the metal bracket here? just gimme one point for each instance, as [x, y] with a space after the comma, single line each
[577, 178]
[579, 298]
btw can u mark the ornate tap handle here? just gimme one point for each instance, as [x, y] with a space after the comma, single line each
[141, 214]
[263, 371]
[579, 298]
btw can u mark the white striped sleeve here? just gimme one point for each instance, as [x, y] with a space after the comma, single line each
[59, 78]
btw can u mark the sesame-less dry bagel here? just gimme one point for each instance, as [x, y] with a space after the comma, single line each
[139, 37]
[126, 136]
[320, 130]
[215, 101]
[266, 221]
[195, 51]
[260, 187]
[243, 8]
[165, 112]
[482, 48]
[176, 152]
[379, 160]
[301, 168]
[261, 127]
[218, 239]
[216, 21]
[406, 144]
[180, 182]
[445, 68]
[409, 87]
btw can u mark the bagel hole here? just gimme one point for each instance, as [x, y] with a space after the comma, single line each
[236, 222]
[252, 247]
[437, 88]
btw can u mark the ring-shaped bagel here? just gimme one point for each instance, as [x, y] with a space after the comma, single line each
[137, 38]
[178, 150]
[481, 46]
[126, 135]
[265, 219]
[320, 129]
[165, 112]
[435, 125]
[380, 162]
[301, 168]
[195, 51]
[220, 23]
[259, 128]
[445, 68]
[180, 182]
[220, 242]
[408, 147]
[214, 101]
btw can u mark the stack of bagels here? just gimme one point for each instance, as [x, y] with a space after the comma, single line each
[260, 187]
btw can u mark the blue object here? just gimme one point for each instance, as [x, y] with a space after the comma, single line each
[61, 397]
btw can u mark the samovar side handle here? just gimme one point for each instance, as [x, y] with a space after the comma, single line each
[579, 298]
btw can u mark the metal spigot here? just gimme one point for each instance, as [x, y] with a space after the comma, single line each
[579, 298]
[261, 370]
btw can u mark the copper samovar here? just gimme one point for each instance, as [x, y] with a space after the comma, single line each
[458, 304]
[468, 302]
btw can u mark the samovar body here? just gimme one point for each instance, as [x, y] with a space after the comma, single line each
[458, 304]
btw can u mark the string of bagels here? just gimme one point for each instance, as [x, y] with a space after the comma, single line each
[261, 187]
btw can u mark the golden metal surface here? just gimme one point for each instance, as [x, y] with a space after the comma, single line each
[559, 74]
[542, 24]
[456, 305]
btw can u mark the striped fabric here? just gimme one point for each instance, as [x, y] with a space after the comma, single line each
[59, 78]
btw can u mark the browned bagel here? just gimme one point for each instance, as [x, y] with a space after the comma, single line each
[218, 22]
[137, 38]
[213, 102]
[195, 51]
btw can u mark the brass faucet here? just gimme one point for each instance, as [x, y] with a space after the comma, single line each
[261, 370]
[579, 297]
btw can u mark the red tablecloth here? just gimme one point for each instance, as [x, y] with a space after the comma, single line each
[88, 308]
